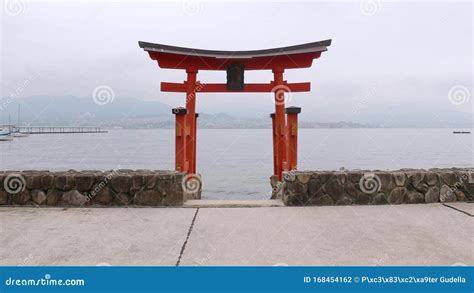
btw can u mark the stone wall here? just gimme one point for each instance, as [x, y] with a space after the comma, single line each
[375, 187]
[92, 188]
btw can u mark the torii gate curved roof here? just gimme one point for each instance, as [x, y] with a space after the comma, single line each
[298, 56]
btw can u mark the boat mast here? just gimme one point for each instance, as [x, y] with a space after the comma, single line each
[18, 123]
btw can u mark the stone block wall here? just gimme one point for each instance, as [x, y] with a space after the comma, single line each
[405, 186]
[92, 188]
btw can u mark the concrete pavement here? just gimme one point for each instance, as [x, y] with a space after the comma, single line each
[420, 234]
[92, 236]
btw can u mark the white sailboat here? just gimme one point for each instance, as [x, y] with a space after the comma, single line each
[5, 135]
[16, 132]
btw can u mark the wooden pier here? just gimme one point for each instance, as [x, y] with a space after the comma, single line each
[60, 129]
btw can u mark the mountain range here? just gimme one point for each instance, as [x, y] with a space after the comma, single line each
[134, 113]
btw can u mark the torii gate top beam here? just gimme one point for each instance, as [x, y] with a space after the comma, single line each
[299, 56]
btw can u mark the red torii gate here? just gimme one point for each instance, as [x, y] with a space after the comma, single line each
[235, 63]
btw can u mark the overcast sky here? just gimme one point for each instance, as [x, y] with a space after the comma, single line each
[384, 54]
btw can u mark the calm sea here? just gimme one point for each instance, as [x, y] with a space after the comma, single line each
[237, 163]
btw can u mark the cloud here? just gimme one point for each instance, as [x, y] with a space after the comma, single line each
[412, 51]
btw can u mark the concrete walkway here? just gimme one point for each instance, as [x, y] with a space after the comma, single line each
[423, 234]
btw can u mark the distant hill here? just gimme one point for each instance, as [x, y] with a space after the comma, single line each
[67, 110]
[134, 113]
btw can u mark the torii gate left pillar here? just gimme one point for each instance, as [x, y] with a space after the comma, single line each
[186, 127]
